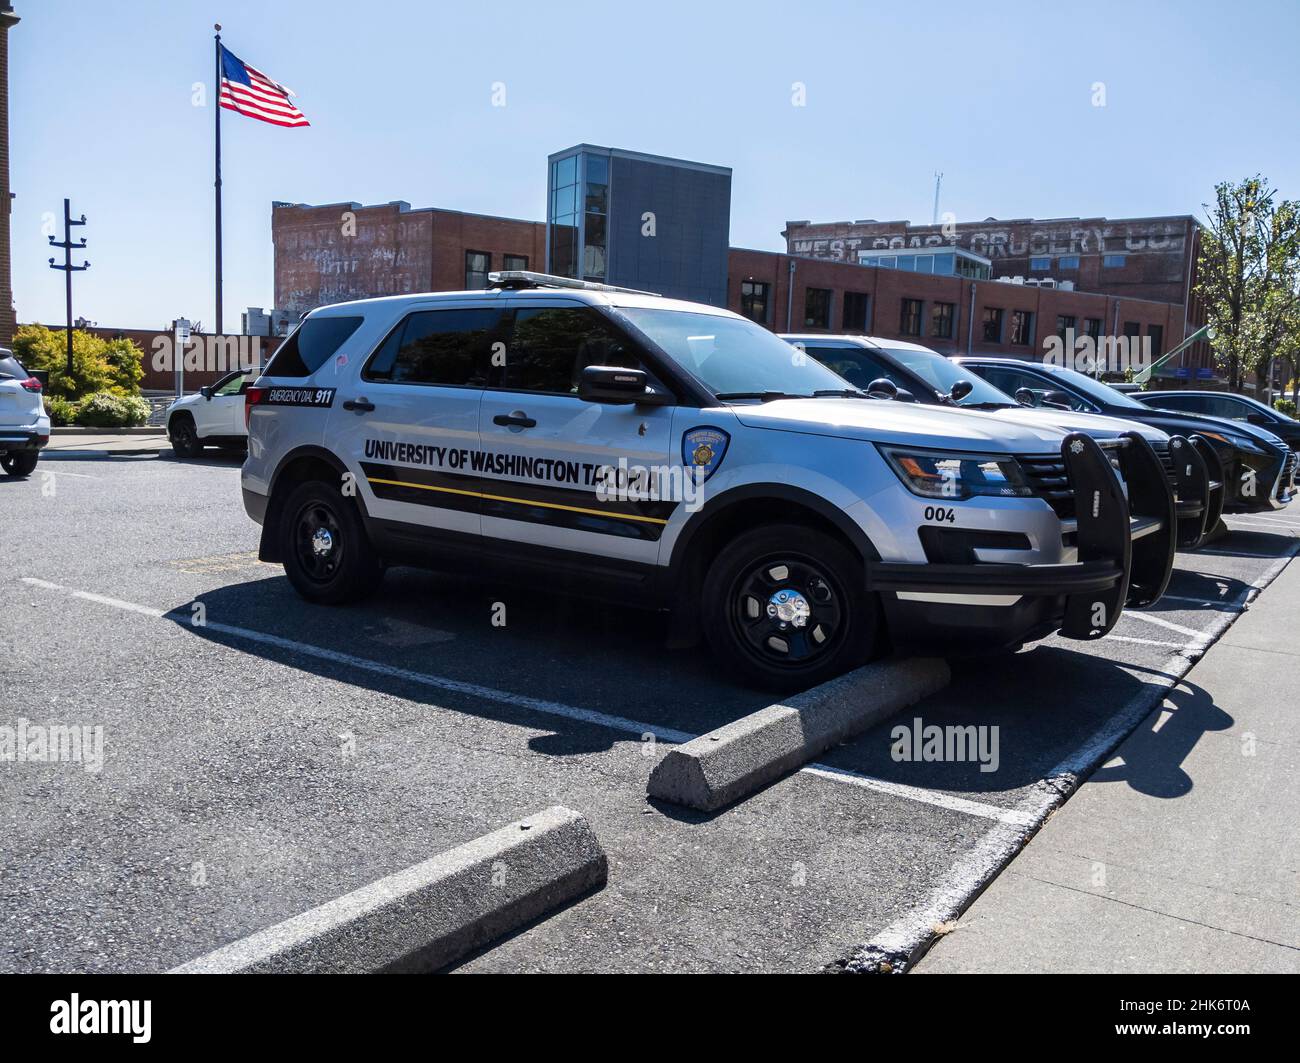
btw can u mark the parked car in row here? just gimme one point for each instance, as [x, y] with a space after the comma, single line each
[1259, 469]
[213, 416]
[674, 456]
[1229, 407]
[24, 424]
[918, 374]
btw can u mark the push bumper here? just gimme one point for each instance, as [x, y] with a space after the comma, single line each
[1125, 542]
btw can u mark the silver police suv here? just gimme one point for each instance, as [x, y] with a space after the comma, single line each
[675, 456]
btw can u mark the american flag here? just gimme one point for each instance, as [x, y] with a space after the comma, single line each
[252, 93]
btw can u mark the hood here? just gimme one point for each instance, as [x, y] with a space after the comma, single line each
[184, 401]
[1186, 423]
[1093, 424]
[884, 421]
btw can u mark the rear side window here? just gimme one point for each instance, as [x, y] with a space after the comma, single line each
[552, 345]
[10, 369]
[312, 345]
[855, 366]
[447, 347]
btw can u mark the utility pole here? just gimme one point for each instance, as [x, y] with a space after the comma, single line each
[938, 180]
[69, 269]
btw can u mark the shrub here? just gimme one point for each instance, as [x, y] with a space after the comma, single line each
[106, 409]
[1286, 406]
[97, 364]
[62, 411]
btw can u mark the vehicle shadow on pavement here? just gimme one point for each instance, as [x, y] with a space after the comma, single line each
[1215, 592]
[566, 651]
[1050, 702]
[1153, 755]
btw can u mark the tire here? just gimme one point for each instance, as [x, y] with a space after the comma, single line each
[22, 463]
[184, 437]
[327, 554]
[827, 622]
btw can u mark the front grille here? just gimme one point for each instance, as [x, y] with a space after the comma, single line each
[1050, 482]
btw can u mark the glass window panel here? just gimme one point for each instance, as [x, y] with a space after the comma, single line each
[566, 171]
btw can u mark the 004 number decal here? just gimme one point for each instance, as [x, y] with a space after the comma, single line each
[941, 514]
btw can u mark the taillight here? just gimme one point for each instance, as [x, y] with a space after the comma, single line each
[31, 384]
[252, 397]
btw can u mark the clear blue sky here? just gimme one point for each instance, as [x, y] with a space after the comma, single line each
[998, 96]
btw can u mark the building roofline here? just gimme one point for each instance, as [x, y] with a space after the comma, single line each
[1004, 221]
[403, 207]
[640, 156]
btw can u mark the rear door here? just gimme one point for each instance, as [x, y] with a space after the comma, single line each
[407, 425]
[545, 448]
[223, 413]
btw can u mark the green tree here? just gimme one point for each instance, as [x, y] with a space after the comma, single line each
[97, 364]
[1247, 273]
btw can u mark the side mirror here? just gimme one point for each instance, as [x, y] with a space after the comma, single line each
[1025, 396]
[612, 384]
[206, 392]
[960, 390]
[1058, 399]
[905, 396]
[882, 388]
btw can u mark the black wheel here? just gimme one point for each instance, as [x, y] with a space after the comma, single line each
[785, 607]
[327, 555]
[184, 436]
[20, 464]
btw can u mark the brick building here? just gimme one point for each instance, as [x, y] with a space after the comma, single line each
[342, 251]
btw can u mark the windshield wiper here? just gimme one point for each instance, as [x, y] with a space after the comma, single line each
[842, 393]
[987, 405]
[765, 396]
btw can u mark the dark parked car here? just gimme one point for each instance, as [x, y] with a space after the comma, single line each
[1259, 469]
[1229, 407]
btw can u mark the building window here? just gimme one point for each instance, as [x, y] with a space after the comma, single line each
[1113, 261]
[855, 311]
[563, 217]
[1065, 323]
[817, 308]
[1092, 326]
[1068, 262]
[941, 315]
[1156, 333]
[753, 300]
[909, 318]
[1132, 330]
[478, 264]
[1040, 263]
[1022, 327]
[517, 262]
[595, 200]
[992, 324]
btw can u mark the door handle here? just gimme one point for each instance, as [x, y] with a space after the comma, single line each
[361, 405]
[518, 419]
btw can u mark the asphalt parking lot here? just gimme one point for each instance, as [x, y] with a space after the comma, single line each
[279, 754]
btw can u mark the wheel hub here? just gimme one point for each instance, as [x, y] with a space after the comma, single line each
[322, 542]
[789, 607]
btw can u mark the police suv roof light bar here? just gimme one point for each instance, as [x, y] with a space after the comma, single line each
[511, 279]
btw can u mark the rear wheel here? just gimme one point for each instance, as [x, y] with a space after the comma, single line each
[785, 607]
[184, 436]
[20, 464]
[327, 554]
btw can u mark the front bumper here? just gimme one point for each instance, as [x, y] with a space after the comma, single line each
[1125, 536]
[17, 440]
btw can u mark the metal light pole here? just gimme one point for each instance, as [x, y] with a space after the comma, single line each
[68, 268]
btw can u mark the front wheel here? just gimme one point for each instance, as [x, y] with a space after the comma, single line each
[20, 464]
[185, 437]
[327, 554]
[786, 607]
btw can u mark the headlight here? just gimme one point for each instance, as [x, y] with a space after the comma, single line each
[1240, 442]
[942, 474]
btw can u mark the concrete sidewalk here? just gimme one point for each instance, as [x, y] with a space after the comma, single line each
[1182, 852]
[108, 442]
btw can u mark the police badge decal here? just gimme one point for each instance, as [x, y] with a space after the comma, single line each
[704, 448]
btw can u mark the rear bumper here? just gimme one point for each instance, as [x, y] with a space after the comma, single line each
[17, 440]
[1125, 545]
[255, 505]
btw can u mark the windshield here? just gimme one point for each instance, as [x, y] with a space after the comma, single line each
[733, 356]
[1095, 389]
[941, 374]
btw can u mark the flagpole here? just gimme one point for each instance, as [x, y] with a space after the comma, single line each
[217, 110]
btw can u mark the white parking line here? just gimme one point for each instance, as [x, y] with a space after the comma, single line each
[1160, 621]
[1149, 642]
[1222, 603]
[549, 708]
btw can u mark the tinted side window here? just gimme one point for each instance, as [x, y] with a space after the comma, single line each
[855, 366]
[10, 368]
[448, 347]
[552, 345]
[311, 345]
[1012, 380]
[1177, 402]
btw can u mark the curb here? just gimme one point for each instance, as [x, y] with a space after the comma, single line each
[137, 430]
[721, 767]
[430, 915]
